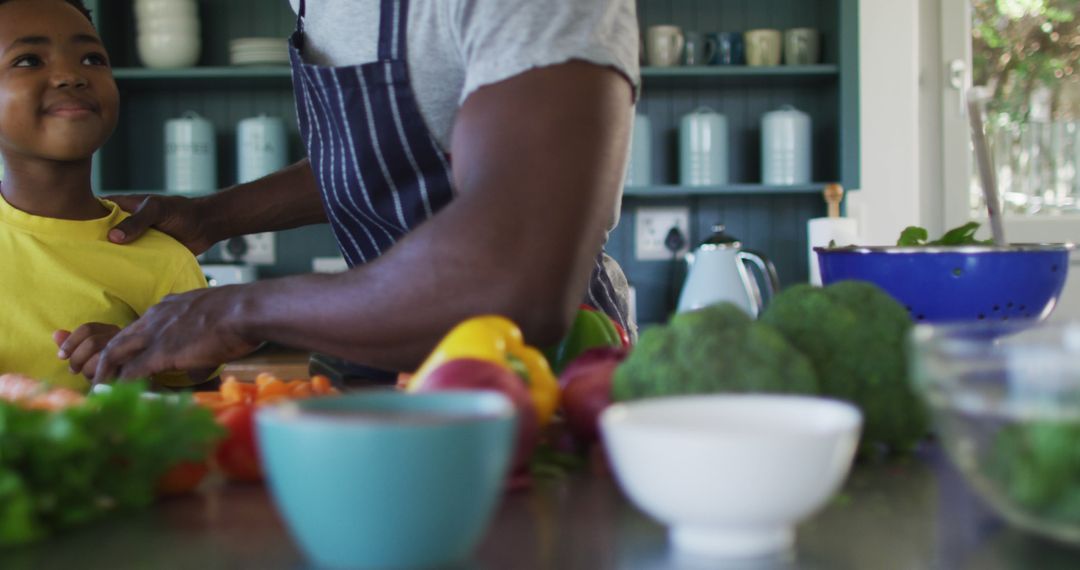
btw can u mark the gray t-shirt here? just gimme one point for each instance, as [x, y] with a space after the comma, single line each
[457, 46]
[454, 47]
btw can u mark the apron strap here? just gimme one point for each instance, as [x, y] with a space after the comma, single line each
[393, 22]
[300, 16]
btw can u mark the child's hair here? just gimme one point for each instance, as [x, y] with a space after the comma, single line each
[76, 3]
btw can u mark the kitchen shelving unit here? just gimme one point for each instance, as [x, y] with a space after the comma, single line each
[771, 219]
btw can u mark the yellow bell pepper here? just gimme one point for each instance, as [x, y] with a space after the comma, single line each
[496, 339]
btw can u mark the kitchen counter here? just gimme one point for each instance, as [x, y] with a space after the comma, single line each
[913, 514]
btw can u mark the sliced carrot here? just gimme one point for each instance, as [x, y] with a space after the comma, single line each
[320, 384]
[264, 378]
[272, 389]
[234, 391]
[33, 394]
[303, 390]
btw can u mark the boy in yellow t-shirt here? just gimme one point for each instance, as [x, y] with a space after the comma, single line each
[58, 104]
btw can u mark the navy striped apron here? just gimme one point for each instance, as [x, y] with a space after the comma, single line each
[379, 170]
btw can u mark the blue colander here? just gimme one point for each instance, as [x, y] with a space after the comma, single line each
[967, 283]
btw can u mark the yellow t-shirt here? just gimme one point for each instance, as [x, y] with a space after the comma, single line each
[59, 274]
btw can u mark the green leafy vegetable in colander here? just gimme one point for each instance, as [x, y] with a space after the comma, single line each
[914, 236]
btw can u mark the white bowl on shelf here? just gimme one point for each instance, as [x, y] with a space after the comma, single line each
[156, 25]
[731, 475]
[168, 51]
[166, 9]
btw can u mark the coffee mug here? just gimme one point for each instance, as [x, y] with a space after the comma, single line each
[763, 47]
[665, 45]
[725, 48]
[802, 46]
[190, 155]
[694, 50]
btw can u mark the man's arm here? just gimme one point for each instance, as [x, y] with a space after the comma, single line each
[538, 160]
[285, 199]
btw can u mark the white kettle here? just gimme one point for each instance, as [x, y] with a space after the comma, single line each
[719, 270]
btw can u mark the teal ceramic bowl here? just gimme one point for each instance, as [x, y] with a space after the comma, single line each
[388, 479]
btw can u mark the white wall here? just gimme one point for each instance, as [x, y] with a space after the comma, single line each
[889, 65]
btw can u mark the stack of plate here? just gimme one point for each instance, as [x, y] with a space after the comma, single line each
[258, 51]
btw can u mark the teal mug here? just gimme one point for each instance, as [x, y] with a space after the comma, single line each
[386, 479]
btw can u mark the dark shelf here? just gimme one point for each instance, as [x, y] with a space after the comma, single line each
[676, 191]
[225, 76]
[728, 74]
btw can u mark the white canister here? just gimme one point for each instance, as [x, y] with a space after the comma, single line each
[190, 155]
[703, 148]
[261, 147]
[785, 147]
[639, 167]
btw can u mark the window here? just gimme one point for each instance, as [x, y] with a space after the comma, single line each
[1025, 56]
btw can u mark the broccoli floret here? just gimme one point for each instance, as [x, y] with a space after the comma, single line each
[716, 349]
[855, 335]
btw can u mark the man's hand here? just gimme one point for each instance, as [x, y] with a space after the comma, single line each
[190, 331]
[174, 215]
[82, 346]
[286, 199]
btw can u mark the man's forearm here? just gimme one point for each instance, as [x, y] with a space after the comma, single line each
[520, 239]
[283, 200]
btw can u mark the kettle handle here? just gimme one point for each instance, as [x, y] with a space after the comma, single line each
[767, 270]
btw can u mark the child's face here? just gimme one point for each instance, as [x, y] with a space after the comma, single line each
[58, 99]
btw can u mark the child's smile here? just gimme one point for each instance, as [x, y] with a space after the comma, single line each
[72, 108]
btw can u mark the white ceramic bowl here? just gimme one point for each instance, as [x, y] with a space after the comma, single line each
[731, 475]
[188, 26]
[168, 50]
[166, 9]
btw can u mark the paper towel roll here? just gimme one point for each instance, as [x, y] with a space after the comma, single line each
[821, 231]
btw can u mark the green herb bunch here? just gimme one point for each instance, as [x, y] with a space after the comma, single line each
[963, 235]
[60, 469]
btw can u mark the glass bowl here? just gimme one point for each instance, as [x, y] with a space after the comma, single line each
[1006, 404]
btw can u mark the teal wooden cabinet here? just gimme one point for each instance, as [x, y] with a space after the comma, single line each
[767, 218]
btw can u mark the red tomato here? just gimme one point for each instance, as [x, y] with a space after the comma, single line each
[238, 455]
[182, 478]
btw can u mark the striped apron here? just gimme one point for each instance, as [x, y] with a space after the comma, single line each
[379, 170]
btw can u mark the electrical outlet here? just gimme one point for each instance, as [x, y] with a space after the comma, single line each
[652, 227]
[256, 249]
